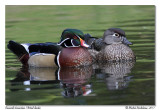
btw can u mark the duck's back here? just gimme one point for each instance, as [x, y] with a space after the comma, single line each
[116, 52]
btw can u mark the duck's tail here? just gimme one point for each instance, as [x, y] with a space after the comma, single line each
[19, 50]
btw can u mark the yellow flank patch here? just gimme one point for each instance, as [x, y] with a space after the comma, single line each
[42, 60]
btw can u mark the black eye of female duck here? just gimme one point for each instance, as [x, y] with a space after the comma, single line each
[116, 35]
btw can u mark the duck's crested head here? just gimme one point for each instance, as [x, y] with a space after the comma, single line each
[115, 36]
[72, 38]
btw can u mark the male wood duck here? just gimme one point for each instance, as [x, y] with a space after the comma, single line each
[75, 52]
[114, 46]
[71, 51]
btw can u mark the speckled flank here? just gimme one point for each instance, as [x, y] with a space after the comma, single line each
[116, 52]
[41, 60]
[76, 56]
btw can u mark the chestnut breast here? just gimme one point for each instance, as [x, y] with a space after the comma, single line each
[73, 57]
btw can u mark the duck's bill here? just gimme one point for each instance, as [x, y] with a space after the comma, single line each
[126, 42]
[84, 44]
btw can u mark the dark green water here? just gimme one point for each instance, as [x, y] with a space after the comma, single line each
[107, 84]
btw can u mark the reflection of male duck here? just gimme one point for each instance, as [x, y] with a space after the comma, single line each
[74, 81]
[36, 74]
[29, 76]
[116, 74]
[43, 74]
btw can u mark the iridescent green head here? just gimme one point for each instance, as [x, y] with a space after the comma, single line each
[72, 38]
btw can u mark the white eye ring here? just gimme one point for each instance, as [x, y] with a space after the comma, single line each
[116, 34]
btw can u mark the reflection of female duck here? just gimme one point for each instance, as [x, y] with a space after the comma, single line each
[116, 74]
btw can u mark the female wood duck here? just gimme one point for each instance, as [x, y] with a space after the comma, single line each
[114, 46]
[70, 51]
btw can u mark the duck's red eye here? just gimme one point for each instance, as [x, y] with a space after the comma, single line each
[75, 37]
